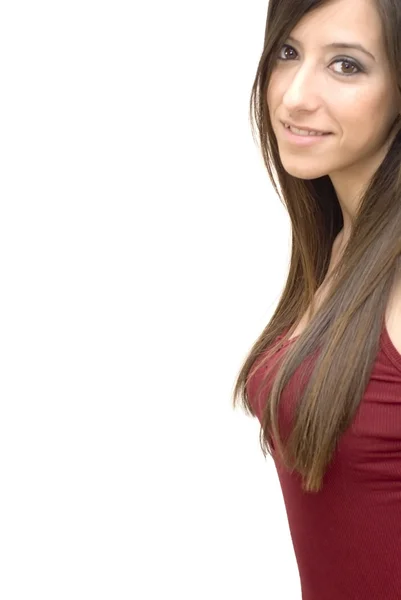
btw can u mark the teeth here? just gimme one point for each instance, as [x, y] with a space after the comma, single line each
[303, 131]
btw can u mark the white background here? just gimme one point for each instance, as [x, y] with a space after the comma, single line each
[142, 251]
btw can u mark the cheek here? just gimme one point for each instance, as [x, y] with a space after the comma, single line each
[272, 92]
[362, 115]
[370, 109]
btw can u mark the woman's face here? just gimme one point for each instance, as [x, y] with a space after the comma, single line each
[340, 90]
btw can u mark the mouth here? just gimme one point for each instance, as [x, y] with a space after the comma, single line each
[304, 132]
[303, 139]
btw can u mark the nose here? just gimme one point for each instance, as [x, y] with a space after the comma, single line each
[303, 90]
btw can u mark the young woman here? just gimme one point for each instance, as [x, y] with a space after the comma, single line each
[324, 377]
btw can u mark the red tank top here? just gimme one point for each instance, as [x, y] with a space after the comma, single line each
[347, 537]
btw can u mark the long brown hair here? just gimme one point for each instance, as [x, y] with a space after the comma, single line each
[347, 327]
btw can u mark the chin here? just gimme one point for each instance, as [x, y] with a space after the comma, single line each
[307, 172]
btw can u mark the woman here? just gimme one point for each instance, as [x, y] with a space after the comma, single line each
[324, 377]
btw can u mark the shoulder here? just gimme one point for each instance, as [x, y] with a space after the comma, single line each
[393, 316]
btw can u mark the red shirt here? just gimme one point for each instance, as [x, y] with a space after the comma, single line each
[347, 537]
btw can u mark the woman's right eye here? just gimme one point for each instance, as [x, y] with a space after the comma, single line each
[281, 50]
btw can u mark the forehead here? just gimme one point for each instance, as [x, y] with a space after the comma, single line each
[343, 21]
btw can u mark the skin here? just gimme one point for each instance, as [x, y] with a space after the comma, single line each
[313, 88]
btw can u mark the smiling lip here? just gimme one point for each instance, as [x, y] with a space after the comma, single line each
[303, 140]
[304, 128]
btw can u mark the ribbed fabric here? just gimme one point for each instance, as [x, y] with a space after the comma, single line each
[347, 537]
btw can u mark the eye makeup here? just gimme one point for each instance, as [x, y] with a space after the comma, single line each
[342, 59]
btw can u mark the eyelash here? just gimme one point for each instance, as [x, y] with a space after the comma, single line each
[343, 59]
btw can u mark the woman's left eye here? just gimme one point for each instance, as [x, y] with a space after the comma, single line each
[346, 61]
[350, 63]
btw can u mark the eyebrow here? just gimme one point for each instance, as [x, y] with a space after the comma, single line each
[339, 45]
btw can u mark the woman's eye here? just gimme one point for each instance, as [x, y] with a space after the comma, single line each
[285, 46]
[350, 64]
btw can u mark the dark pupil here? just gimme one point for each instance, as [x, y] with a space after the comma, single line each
[348, 64]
